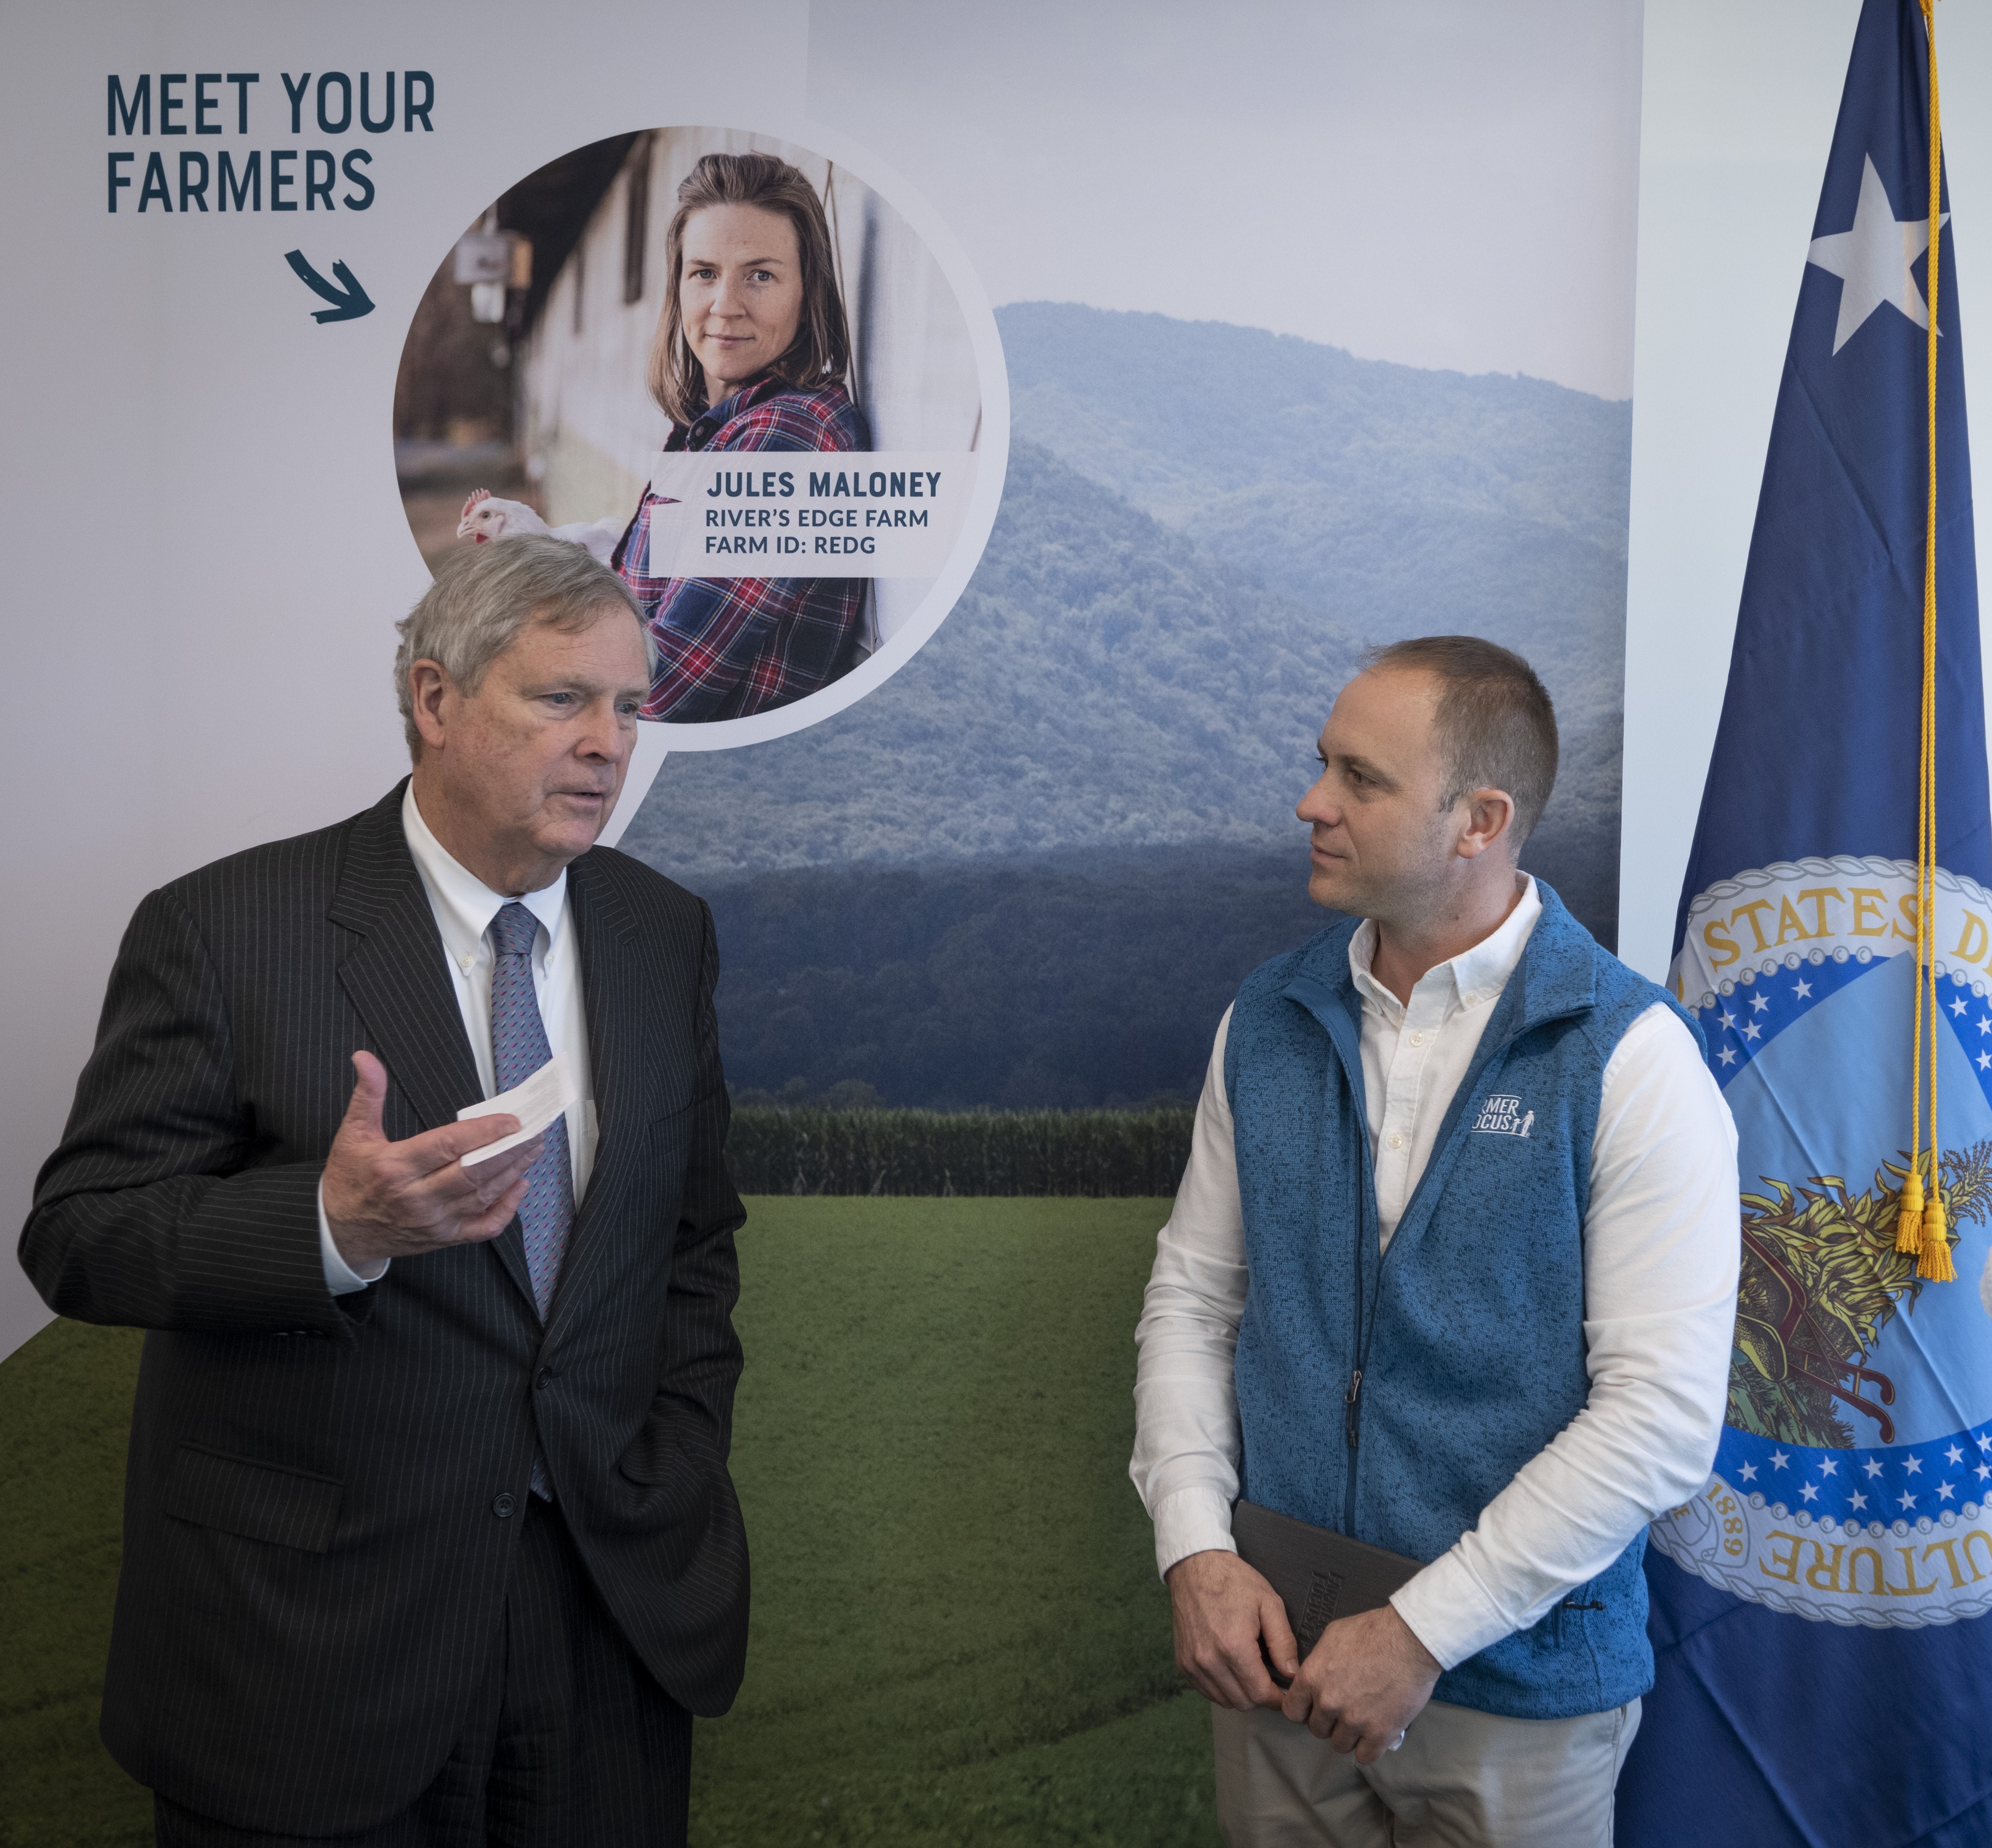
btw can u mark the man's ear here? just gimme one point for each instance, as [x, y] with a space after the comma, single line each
[1490, 822]
[430, 689]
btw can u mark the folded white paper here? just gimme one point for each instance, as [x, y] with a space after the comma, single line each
[536, 1103]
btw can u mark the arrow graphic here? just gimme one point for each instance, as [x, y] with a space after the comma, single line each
[348, 303]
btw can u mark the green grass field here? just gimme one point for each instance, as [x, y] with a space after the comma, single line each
[958, 1636]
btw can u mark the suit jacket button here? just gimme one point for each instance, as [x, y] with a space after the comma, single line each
[503, 1506]
[541, 1378]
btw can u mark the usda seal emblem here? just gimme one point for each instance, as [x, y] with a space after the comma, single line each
[1854, 1481]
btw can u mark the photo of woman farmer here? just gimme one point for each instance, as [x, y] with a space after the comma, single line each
[752, 351]
[688, 290]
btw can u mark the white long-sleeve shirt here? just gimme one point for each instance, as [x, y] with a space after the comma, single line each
[463, 906]
[1660, 1254]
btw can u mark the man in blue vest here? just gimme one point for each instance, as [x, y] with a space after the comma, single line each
[1452, 1271]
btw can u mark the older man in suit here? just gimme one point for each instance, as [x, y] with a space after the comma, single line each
[429, 1537]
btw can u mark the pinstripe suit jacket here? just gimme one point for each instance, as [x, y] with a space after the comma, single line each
[322, 1496]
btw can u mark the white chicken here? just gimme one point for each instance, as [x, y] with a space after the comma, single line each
[485, 517]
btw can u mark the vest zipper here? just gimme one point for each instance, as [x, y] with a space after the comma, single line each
[1352, 1397]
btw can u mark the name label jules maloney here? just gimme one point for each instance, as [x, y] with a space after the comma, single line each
[194, 176]
[890, 514]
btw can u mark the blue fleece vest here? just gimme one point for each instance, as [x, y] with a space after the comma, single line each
[1468, 1332]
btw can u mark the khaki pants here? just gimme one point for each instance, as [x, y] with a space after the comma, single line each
[1460, 1779]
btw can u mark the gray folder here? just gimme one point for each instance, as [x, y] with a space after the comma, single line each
[1319, 1575]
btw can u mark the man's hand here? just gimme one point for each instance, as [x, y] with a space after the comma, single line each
[1222, 1609]
[1366, 1680]
[388, 1199]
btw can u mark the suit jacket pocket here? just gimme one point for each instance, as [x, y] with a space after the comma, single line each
[674, 1119]
[259, 1501]
[671, 1466]
[665, 1141]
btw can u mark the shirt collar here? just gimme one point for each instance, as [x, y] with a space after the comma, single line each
[1475, 975]
[711, 421]
[463, 904]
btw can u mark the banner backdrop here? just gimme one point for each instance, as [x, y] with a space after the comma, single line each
[290, 288]
[1214, 350]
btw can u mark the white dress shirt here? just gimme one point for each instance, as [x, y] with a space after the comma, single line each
[464, 906]
[1660, 1253]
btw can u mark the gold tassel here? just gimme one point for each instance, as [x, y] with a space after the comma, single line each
[1934, 1266]
[1909, 1215]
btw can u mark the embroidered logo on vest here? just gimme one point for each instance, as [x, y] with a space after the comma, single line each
[1503, 1116]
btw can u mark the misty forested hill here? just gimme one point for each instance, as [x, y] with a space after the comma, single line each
[1084, 785]
[1389, 500]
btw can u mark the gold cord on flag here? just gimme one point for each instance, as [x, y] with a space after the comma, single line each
[1920, 1223]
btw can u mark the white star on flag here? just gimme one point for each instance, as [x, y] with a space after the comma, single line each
[1857, 1502]
[1753, 1032]
[1953, 1455]
[1873, 259]
[1913, 1465]
[1760, 1002]
[1827, 1466]
[1748, 1472]
[1908, 1501]
[1809, 1492]
[1957, 1005]
[1944, 1491]
[1872, 1468]
[1802, 990]
[1778, 1459]
[1728, 1056]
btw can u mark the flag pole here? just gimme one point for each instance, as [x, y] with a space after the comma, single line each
[1921, 1228]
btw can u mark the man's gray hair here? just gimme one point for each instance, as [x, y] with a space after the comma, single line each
[483, 597]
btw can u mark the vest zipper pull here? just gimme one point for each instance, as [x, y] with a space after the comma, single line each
[1348, 1399]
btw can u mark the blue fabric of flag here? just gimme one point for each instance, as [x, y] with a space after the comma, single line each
[1821, 1619]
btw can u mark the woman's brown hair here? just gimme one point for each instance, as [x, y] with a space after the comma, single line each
[821, 354]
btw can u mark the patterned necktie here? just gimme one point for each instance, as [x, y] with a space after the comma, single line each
[519, 1049]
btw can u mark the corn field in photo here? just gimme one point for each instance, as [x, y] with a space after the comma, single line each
[1094, 1154]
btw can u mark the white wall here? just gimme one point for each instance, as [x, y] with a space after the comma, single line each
[1739, 101]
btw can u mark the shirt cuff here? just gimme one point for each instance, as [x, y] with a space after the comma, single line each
[1192, 1520]
[340, 1278]
[1448, 1610]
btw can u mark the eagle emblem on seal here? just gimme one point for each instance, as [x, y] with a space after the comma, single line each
[1821, 1278]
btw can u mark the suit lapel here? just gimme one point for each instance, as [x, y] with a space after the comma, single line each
[399, 984]
[606, 933]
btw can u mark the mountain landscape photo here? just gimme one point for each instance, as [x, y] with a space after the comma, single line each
[1031, 869]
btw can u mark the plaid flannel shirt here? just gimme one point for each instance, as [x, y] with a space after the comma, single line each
[728, 647]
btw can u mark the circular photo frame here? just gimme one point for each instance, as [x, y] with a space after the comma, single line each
[752, 373]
